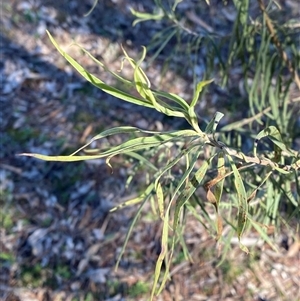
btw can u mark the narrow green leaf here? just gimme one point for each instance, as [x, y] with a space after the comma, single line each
[185, 176]
[193, 120]
[160, 200]
[115, 131]
[143, 86]
[141, 17]
[143, 160]
[242, 198]
[106, 69]
[93, 7]
[212, 125]
[263, 234]
[244, 248]
[274, 135]
[188, 191]
[97, 82]
[141, 80]
[199, 89]
[191, 187]
[147, 195]
[176, 98]
[221, 174]
[135, 200]
[131, 145]
[163, 253]
[174, 161]
[273, 100]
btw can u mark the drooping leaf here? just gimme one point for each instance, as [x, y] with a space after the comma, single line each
[160, 200]
[262, 233]
[242, 198]
[130, 202]
[188, 191]
[163, 253]
[273, 134]
[174, 161]
[219, 191]
[147, 101]
[146, 195]
[221, 175]
[97, 82]
[212, 125]
[182, 180]
[193, 119]
[176, 98]
[131, 145]
[199, 89]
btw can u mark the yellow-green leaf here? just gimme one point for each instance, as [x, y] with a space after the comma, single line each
[242, 198]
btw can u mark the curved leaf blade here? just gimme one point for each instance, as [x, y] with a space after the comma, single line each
[274, 135]
[97, 82]
[199, 89]
[131, 145]
[242, 199]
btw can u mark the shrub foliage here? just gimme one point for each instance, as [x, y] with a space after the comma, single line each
[254, 184]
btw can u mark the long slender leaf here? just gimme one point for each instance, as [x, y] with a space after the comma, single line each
[173, 97]
[174, 161]
[163, 252]
[115, 131]
[262, 234]
[273, 134]
[192, 114]
[189, 189]
[199, 89]
[212, 125]
[187, 192]
[176, 98]
[143, 86]
[141, 17]
[97, 82]
[242, 200]
[131, 145]
[221, 174]
[160, 200]
[147, 195]
[184, 177]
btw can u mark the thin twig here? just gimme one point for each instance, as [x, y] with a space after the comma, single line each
[253, 159]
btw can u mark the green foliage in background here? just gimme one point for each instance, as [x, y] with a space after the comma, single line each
[255, 184]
